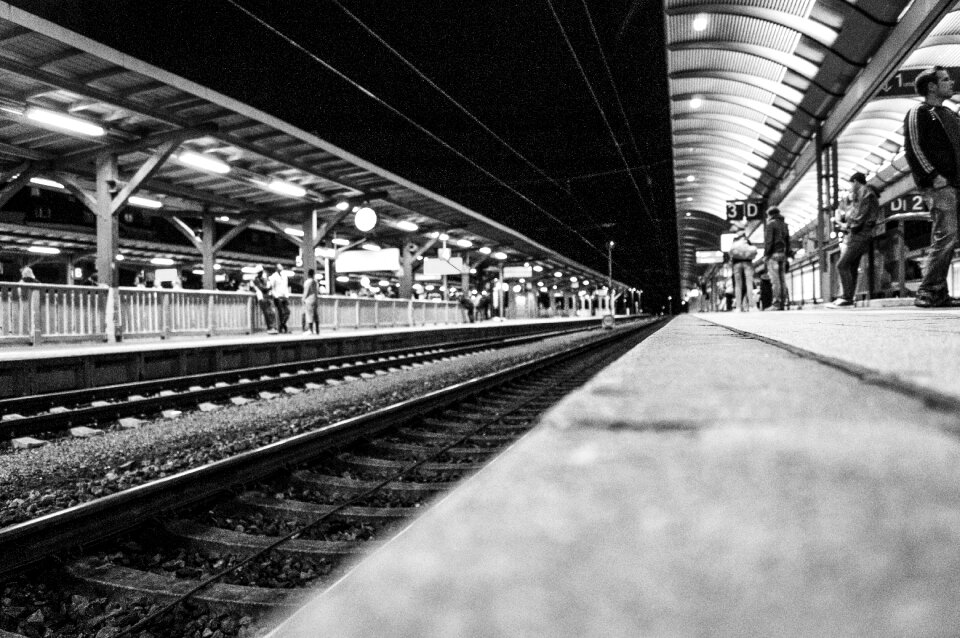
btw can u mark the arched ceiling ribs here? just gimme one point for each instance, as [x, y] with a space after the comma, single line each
[787, 93]
[764, 130]
[718, 157]
[763, 108]
[743, 135]
[692, 137]
[818, 32]
[719, 170]
[803, 68]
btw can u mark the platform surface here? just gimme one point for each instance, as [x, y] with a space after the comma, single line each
[55, 349]
[733, 475]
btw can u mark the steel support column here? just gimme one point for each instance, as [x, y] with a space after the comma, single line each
[828, 199]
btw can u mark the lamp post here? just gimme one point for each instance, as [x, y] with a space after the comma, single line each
[670, 299]
[610, 276]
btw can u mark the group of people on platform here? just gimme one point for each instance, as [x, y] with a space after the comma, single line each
[273, 297]
[932, 149]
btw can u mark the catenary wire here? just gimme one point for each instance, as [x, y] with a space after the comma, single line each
[464, 109]
[411, 121]
[613, 85]
[606, 122]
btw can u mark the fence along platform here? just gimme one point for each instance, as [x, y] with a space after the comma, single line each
[37, 313]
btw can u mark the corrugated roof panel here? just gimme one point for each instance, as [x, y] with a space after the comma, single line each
[725, 60]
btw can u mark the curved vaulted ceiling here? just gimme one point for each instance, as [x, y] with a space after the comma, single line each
[751, 82]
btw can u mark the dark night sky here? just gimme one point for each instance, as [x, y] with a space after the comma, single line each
[505, 61]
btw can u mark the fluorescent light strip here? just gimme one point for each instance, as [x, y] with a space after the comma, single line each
[43, 181]
[203, 162]
[286, 188]
[65, 122]
[143, 202]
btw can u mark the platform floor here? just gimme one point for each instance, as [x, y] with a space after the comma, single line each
[757, 474]
[55, 349]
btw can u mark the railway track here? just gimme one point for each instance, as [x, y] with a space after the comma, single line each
[56, 413]
[196, 550]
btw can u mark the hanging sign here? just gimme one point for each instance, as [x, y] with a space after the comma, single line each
[748, 209]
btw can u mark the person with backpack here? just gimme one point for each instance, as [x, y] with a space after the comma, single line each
[858, 222]
[742, 254]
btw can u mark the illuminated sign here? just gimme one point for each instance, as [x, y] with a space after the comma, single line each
[709, 257]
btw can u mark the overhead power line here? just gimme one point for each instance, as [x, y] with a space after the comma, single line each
[462, 108]
[410, 121]
[606, 122]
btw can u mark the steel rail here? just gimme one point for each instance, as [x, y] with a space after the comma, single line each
[32, 541]
[283, 374]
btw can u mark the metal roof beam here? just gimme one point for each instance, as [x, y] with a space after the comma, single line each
[919, 20]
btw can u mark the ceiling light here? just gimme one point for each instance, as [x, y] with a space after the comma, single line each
[64, 122]
[691, 178]
[407, 226]
[538, 268]
[286, 188]
[203, 162]
[44, 250]
[143, 202]
[119, 257]
[485, 250]
[365, 219]
[162, 261]
[558, 274]
[250, 270]
[340, 241]
[383, 283]
[696, 103]
[372, 247]
[342, 205]
[700, 22]
[501, 256]
[43, 181]
[296, 232]
[443, 237]
[464, 243]
[343, 279]
[223, 218]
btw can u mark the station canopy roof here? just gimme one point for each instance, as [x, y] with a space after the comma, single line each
[752, 82]
[156, 122]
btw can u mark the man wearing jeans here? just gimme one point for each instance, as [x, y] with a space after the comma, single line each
[776, 250]
[932, 146]
[859, 223]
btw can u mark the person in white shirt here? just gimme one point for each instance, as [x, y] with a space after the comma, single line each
[280, 291]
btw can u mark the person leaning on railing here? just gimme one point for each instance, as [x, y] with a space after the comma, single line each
[261, 289]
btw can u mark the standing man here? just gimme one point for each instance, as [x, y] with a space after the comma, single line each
[280, 291]
[776, 249]
[932, 145]
[859, 223]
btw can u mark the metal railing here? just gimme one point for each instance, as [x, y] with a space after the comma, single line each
[37, 313]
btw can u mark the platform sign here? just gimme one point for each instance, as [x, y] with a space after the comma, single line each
[902, 83]
[451, 266]
[386, 259]
[517, 272]
[748, 209]
[709, 257]
[910, 203]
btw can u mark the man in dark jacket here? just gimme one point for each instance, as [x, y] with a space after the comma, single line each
[776, 250]
[932, 146]
[859, 223]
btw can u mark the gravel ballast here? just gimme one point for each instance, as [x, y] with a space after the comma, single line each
[73, 471]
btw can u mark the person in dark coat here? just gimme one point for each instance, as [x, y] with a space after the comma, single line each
[776, 250]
